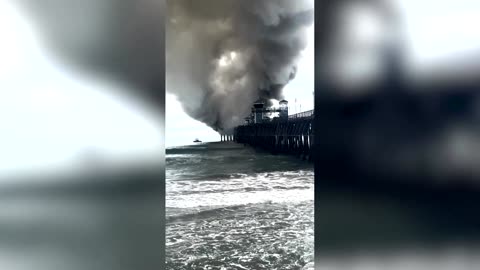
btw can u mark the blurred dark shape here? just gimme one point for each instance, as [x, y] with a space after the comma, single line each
[396, 156]
[118, 39]
[395, 127]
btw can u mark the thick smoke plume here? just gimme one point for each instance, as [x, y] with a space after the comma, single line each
[223, 55]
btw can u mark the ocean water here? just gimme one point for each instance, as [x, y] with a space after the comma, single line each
[229, 206]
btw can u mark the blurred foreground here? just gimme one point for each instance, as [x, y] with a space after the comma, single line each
[81, 135]
[107, 220]
[397, 135]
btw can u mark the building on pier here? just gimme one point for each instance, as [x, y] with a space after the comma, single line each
[288, 134]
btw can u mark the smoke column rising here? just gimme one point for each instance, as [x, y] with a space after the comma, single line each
[223, 55]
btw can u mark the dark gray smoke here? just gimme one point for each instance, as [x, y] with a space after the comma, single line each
[223, 55]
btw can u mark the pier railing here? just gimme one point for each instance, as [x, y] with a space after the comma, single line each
[306, 114]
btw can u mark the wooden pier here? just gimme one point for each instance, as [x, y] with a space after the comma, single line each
[293, 136]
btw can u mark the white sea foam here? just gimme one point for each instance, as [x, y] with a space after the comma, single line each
[275, 187]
